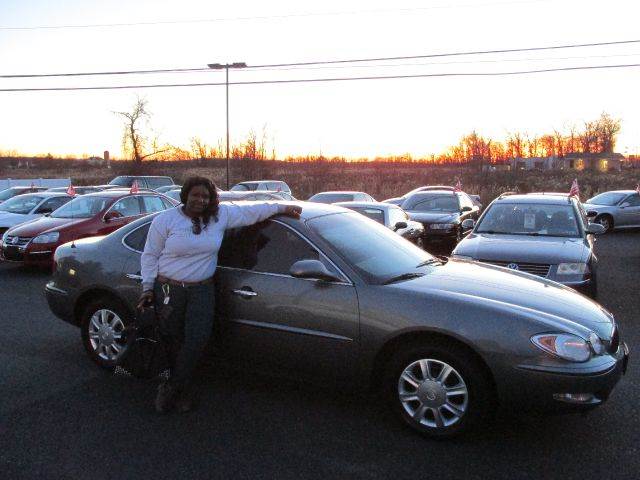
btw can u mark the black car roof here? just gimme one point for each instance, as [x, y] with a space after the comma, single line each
[539, 198]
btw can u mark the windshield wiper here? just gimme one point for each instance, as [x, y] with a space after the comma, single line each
[403, 276]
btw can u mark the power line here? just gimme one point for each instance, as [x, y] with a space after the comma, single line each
[271, 17]
[330, 62]
[319, 80]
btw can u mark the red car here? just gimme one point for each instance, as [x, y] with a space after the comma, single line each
[90, 215]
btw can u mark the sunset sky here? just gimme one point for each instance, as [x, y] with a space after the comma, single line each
[351, 118]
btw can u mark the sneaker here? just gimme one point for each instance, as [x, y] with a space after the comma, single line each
[165, 399]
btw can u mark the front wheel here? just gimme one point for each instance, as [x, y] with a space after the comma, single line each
[438, 390]
[606, 221]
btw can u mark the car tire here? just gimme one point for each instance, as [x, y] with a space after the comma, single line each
[433, 406]
[102, 324]
[606, 221]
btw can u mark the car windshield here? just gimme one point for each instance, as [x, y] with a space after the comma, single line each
[8, 193]
[122, 181]
[331, 197]
[373, 213]
[21, 204]
[607, 198]
[82, 207]
[432, 203]
[530, 219]
[375, 252]
[244, 187]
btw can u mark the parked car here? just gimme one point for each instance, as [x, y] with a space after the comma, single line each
[253, 185]
[341, 196]
[25, 207]
[35, 242]
[166, 188]
[615, 209]
[249, 196]
[144, 181]
[333, 295]
[391, 216]
[80, 189]
[442, 213]
[544, 235]
[10, 192]
[398, 200]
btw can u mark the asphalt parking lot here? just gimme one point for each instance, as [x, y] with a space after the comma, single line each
[61, 417]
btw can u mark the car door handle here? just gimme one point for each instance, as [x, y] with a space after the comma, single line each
[245, 293]
[134, 276]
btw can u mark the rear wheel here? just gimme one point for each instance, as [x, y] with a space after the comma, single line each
[606, 221]
[439, 390]
[102, 328]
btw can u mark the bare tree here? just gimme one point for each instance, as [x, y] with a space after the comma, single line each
[134, 142]
[607, 129]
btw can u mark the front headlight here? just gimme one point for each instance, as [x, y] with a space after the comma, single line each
[51, 237]
[573, 268]
[564, 345]
[596, 344]
[441, 226]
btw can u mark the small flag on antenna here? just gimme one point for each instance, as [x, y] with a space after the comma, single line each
[458, 187]
[71, 191]
[134, 187]
[575, 189]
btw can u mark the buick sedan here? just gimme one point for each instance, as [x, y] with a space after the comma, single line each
[335, 296]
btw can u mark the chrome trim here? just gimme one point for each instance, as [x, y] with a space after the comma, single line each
[281, 275]
[133, 276]
[51, 288]
[301, 331]
[39, 253]
[245, 293]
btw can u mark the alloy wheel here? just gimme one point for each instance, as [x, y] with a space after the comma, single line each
[106, 334]
[433, 393]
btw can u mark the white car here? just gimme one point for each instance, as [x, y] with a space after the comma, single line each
[22, 208]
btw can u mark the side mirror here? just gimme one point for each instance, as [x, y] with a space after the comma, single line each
[465, 209]
[624, 204]
[399, 225]
[595, 228]
[312, 269]
[468, 224]
[111, 215]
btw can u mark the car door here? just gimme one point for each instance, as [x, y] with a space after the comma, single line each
[277, 320]
[630, 212]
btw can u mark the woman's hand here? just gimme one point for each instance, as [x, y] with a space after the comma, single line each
[292, 211]
[145, 300]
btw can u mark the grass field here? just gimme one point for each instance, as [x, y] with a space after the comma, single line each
[381, 180]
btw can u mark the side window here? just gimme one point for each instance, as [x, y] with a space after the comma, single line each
[634, 200]
[127, 207]
[152, 204]
[137, 238]
[53, 203]
[465, 201]
[167, 203]
[267, 247]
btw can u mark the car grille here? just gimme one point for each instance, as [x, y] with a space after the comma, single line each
[14, 241]
[540, 269]
[614, 343]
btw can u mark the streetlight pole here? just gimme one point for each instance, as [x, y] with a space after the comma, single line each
[227, 66]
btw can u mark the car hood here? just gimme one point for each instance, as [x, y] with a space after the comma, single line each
[429, 217]
[515, 293]
[8, 219]
[522, 248]
[597, 208]
[43, 224]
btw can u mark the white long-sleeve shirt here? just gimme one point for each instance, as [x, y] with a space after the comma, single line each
[172, 250]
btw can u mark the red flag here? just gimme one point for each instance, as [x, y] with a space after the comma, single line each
[638, 189]
[33, 185]
[458, 187]
[575, 189]
[71, 191]
[134, 187]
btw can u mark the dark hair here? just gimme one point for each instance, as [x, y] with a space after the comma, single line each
[212, 208]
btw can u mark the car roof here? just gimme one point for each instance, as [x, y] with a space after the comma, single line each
[260, 181]
[121, 192]
[333, 192]
[539, 198]
[429, 193]
[626, 192]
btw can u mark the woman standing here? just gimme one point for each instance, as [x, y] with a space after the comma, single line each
[179, 259]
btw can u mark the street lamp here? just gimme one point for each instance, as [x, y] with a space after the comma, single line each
[227, 66]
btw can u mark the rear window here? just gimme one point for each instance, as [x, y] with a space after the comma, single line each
[122, 181]
[372, 213]
[137, 238]
[155, 182]
[244, 187]
[331, 197]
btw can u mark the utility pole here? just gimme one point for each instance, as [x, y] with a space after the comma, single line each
[227, 66]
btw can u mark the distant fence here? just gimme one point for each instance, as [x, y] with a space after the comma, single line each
[38, 182]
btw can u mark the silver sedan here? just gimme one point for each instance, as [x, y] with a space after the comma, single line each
[615, 209]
